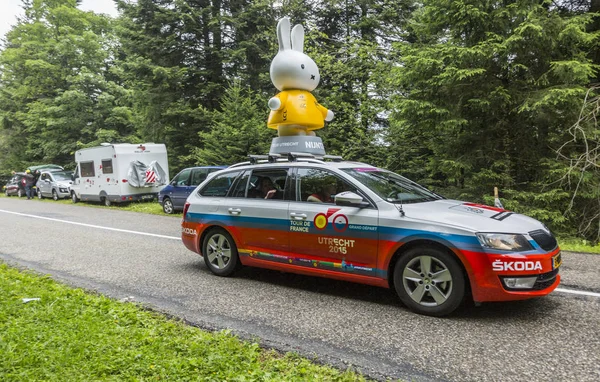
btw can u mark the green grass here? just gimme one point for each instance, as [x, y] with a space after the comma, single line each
[72, 335]
[578, 245]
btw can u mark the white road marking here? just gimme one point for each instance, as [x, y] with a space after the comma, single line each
[580, 292]
[93, 226]
[561, 290]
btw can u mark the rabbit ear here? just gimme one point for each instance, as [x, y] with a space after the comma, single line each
[298, 38]
[283, 33]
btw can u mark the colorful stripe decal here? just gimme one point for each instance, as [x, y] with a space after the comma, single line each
[342, 266]
[358, 231]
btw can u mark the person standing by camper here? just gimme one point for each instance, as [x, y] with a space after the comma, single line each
[29, 182]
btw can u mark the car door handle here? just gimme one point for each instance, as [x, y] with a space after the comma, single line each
[234, 211]
[297, 216]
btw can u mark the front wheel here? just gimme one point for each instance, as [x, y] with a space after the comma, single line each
[74, 197]
[54, 195]
[429, 281]
[20, 193]
[220, 252]
[39, 194]
[168, 206]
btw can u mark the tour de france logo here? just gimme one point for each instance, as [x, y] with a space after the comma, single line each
[339, 222]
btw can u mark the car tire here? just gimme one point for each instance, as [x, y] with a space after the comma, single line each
[6, 193]
[20, 193]
[54, 195]
[168, 207]
[429, 281]
[106, 201]
[39, 194]
[220, 252]
[74, 197]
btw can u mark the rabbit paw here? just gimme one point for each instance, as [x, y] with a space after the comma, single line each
[274, 103]
[329, 116]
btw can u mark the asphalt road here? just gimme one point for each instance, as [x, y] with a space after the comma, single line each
[555, 338]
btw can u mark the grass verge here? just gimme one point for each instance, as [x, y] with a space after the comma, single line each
[72, 335]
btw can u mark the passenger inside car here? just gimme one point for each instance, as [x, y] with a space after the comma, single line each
[265, 190]
[325, 193]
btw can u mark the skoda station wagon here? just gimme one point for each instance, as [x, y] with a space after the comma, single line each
[355, 222]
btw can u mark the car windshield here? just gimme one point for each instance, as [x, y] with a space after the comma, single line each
[61, 176]
[392, 187]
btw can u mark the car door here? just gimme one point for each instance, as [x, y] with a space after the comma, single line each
[42, 185]
[181, 188]
[328, 236]
[259, 222]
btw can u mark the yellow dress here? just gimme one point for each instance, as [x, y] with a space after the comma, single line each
[298, 107]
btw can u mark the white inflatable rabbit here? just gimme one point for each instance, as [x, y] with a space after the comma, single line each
[295, 111]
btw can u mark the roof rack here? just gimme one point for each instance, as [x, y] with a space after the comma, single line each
[294, 156]
[291, 157]
[335, 158]
[271, 158]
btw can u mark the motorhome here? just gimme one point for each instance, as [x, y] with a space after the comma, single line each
[120, 173]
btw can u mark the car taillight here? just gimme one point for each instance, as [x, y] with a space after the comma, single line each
[185, 209]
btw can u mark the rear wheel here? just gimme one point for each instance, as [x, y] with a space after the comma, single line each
[20, 193]
[220, 252]
[429, 281]
[54, 195]
[168, 206]
[6, 192]
[106, 201]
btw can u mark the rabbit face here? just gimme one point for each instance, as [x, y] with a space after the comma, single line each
[294, 70]
[291, 68]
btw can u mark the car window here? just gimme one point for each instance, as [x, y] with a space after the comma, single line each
[61, 176]
[320, 186]
[219, 185]
[182, 178]
[240, 186]
[44, 176]
[267, 183]
[392, 187]
[198, 176]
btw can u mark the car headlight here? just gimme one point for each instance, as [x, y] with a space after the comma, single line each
[504, 241]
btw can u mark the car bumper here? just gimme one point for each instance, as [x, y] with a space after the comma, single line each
[493, 276]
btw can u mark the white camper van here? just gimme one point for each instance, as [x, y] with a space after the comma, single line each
[118, 173]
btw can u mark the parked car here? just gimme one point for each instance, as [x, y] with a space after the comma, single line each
[16, 185]
[172, 197]
[356, 222]
[55, 184]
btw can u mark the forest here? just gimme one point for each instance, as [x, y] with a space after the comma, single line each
[459, 95]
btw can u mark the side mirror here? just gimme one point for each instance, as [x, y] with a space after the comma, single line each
[349, 198]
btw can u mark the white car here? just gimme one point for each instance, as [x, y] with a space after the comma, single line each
[356, 222]
[55, 184]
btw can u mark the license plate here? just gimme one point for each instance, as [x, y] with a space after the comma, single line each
[556, 261]
[147, 196]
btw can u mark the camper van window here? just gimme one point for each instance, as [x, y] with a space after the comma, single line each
[87, 169]
[107, 166]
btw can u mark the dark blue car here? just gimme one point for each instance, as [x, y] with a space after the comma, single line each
[173, 196]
